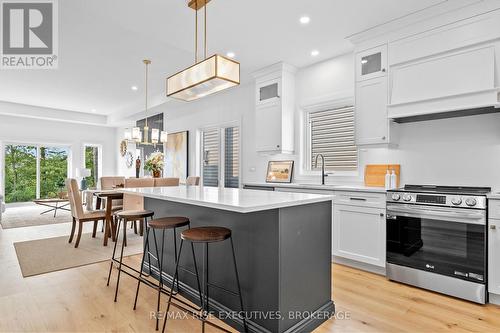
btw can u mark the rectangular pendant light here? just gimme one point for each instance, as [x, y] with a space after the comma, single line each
[204, 78]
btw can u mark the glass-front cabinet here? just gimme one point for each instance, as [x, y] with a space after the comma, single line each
[371, 63]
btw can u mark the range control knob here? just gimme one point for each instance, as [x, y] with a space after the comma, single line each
[456, 201]
[395, 196]
[470, 202]
[407, 197]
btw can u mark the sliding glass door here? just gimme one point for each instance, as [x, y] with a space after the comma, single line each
[33, 172]
[53, 171]
[20, 173]
[221, 157]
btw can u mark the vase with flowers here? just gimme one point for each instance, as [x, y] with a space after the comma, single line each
[155, 164]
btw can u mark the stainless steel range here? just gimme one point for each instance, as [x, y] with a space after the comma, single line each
[436, 239]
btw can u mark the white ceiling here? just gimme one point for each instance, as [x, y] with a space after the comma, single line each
[102, 43]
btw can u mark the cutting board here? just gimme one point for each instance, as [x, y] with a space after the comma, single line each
[375, 174]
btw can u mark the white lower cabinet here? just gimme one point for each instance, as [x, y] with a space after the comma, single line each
[494, 256]
[359, 234]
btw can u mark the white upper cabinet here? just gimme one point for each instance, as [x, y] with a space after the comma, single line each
[371, 63]
[372, 123]
[371, 112]
[275, 109]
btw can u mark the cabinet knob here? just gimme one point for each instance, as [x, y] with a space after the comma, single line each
[277, 146]
[383, 70]
[493, 226]
[381, 214]
[383, 138]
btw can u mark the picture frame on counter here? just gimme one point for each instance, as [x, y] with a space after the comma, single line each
[279, 171]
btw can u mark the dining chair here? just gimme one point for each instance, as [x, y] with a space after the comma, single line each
[193, 180]
[135, 201]
[78, 214]
[170, 181]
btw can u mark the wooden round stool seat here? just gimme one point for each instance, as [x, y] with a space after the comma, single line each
[134, 214]
[206, 234]
[169, 222]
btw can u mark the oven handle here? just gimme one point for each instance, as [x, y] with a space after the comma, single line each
[450, 215]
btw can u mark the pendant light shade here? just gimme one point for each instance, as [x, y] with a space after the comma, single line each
[164, 137]
[204, 78]
[155, 135]
[136, 134]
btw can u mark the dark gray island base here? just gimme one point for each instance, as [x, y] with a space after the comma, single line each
[283, 257]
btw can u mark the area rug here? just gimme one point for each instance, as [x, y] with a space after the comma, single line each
[53, 254]
[29, 215]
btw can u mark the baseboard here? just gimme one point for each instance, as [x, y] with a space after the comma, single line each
[359, 265]
[494, 299]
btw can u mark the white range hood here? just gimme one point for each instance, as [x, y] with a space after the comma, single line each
[455, 83]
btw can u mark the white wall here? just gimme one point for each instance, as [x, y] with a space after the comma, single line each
[36, 131]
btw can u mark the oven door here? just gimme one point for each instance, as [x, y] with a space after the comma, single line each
[442, 240]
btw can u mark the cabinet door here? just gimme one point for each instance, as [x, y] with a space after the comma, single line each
[359, 234]
[494, 256]
[268, 128]
[371, 112]
[371, 63]
[268, 92]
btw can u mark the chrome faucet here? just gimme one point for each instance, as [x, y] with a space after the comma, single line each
[322, 167]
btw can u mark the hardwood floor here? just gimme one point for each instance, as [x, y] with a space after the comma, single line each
[77, 300]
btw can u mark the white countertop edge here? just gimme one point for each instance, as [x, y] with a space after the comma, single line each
[355, 188]
[232, 208]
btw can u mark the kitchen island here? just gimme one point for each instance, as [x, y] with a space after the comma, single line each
[282, 244]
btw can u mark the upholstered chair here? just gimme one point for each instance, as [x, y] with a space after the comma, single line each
[78, 214]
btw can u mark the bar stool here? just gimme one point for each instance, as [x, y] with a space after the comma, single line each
[125, 216]
[165, 223]
[206, 235]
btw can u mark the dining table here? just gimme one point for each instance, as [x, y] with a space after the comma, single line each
[109, 196]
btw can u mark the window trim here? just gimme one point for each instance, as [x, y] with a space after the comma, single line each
[305, 137]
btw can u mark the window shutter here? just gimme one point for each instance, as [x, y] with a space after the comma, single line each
[332, 135]
[211, 157]
[231, 154]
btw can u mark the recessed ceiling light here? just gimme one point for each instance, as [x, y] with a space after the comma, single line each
[305, 19]
[134, 88]
[230, 54]
[93, 110]
[314, 53]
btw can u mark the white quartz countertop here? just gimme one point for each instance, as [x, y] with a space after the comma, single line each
[237, 200]
[328, 187]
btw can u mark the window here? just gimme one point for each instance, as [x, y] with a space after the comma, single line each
[92, 162]
[34, 171]
[331, 133]
[221, 157]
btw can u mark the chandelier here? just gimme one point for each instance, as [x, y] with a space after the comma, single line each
[207, 76]
[142, 137]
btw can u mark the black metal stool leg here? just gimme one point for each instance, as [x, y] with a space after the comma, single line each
[112, 260]
[121, 258]
[160, 284]
[175, 254]
[197, 275]
[206, 308]
[172, 288]
[239, 287]
[142, 264]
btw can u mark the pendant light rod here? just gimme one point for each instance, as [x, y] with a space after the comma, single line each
[196, 33]
[196, 8]
[205, 22]
[147, 62]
